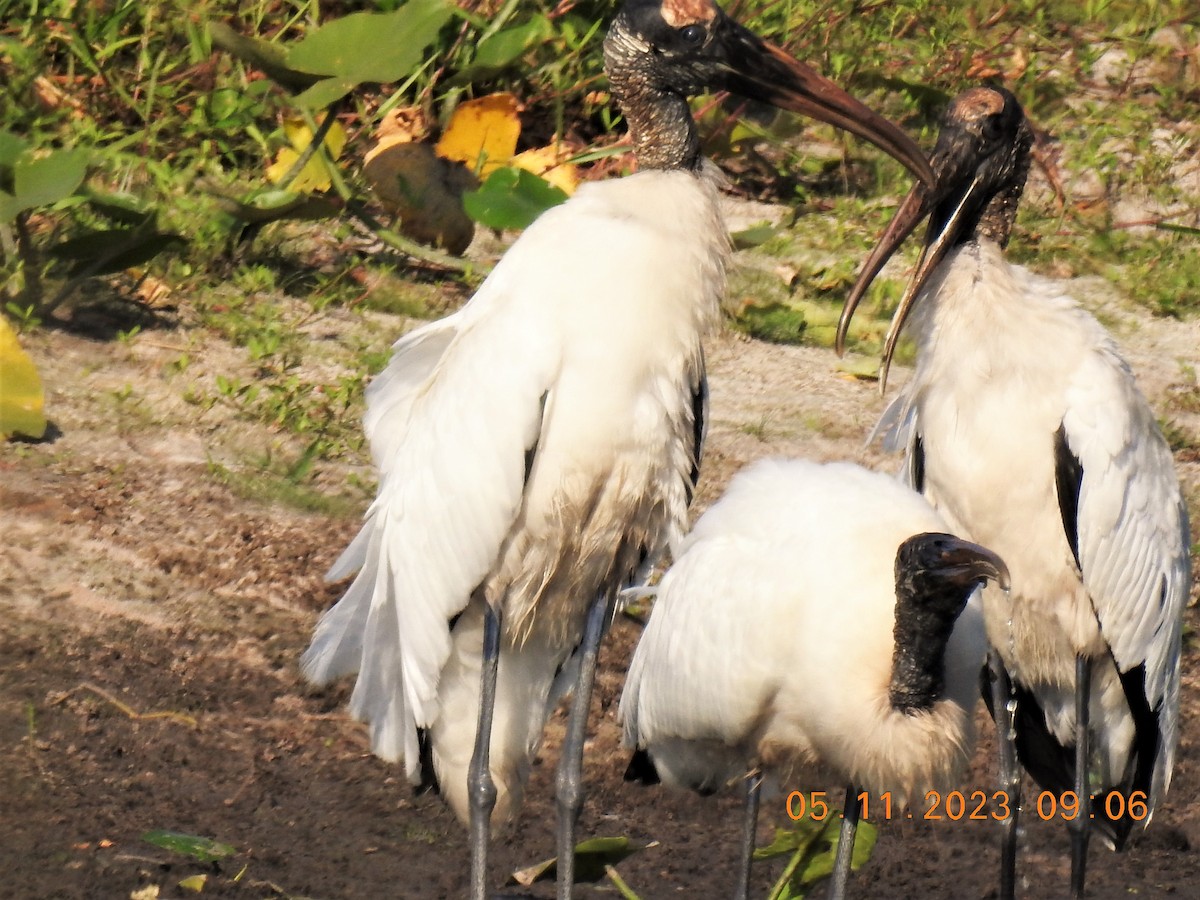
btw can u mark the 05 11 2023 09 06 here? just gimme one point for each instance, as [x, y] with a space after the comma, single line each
[956, 806]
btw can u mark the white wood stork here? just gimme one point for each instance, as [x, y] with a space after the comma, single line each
[541, 444]
[1024, 427]
[816, 623]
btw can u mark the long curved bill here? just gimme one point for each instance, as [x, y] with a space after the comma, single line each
[761, 71]
[972, 562]
[915, 207]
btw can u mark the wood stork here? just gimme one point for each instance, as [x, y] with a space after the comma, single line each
[541, 444]
[1025, 428]
[815, 624]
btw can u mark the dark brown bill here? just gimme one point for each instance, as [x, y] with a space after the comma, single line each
[761, 71]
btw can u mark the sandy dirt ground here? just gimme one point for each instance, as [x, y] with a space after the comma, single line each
[151, 620]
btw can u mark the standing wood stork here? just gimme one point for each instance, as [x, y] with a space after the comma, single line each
[1024, 427]
[815, 621]
[540, 445]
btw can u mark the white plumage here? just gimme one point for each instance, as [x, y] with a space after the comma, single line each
[986, 418]
[598, 381]
[1024, 426]
[540, 446]
[771, 642]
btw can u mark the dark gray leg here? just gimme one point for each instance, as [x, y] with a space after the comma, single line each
[845, 848]
[749, 834]
[480, 787]
[1080, 829]
[570, 766]
[1004, 705]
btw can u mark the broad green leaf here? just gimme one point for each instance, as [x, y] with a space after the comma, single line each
[270, 57]
[199, 848]
[325, 92]
[372, 47]
[123, 208]
[46, 180]
[754, 236]
[789, 840]
[271, 206]
[21, 396]
[820, 865]
[9, 206]
[511, 199]
[591, 859]
[114, 250]
[503, 47]
[11, 148]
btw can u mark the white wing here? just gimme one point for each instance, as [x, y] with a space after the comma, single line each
[769, 583]
[450, 420]
[1132, 528]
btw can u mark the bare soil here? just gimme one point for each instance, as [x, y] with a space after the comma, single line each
[151, 619]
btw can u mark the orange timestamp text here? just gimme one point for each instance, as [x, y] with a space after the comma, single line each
[973, 806]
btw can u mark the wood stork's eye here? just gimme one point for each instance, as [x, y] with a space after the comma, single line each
[693, 35]
[992, 128]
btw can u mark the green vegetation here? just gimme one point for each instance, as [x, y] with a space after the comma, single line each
[135, 140]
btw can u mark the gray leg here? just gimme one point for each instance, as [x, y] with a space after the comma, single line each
[749, 834]
[845, 848]
[1004, 705]
[480, 787]
[570, 766]
[1080, 828]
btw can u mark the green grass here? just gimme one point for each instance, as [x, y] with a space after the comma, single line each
[177, 127]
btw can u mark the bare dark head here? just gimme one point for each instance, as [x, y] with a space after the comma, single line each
[935, 576]
[943, 568]
[981, 161]
[660, 52]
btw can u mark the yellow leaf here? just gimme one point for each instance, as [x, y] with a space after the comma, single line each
[194, 883]
[21, 394]
[315, 174]
[547, 162]
[482, 133]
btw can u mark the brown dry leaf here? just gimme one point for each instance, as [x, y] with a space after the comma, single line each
[482, 133]
[1017, 64]
[50, 96]
[400, 126]
[425, 191]
[151, 291]
[547, 162]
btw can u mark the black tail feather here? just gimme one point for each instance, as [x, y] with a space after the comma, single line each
[1052, 765]
[429, 781]
[641, 769]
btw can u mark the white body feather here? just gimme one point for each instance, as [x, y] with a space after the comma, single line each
[534, 448]
[771, 639]
[1004, 358]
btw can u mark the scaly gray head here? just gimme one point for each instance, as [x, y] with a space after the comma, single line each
[981, 161]
[660, 52]
[935, 576]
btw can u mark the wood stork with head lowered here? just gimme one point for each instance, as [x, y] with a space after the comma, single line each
[816, 623]
[1025, 428]
[540, 445]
